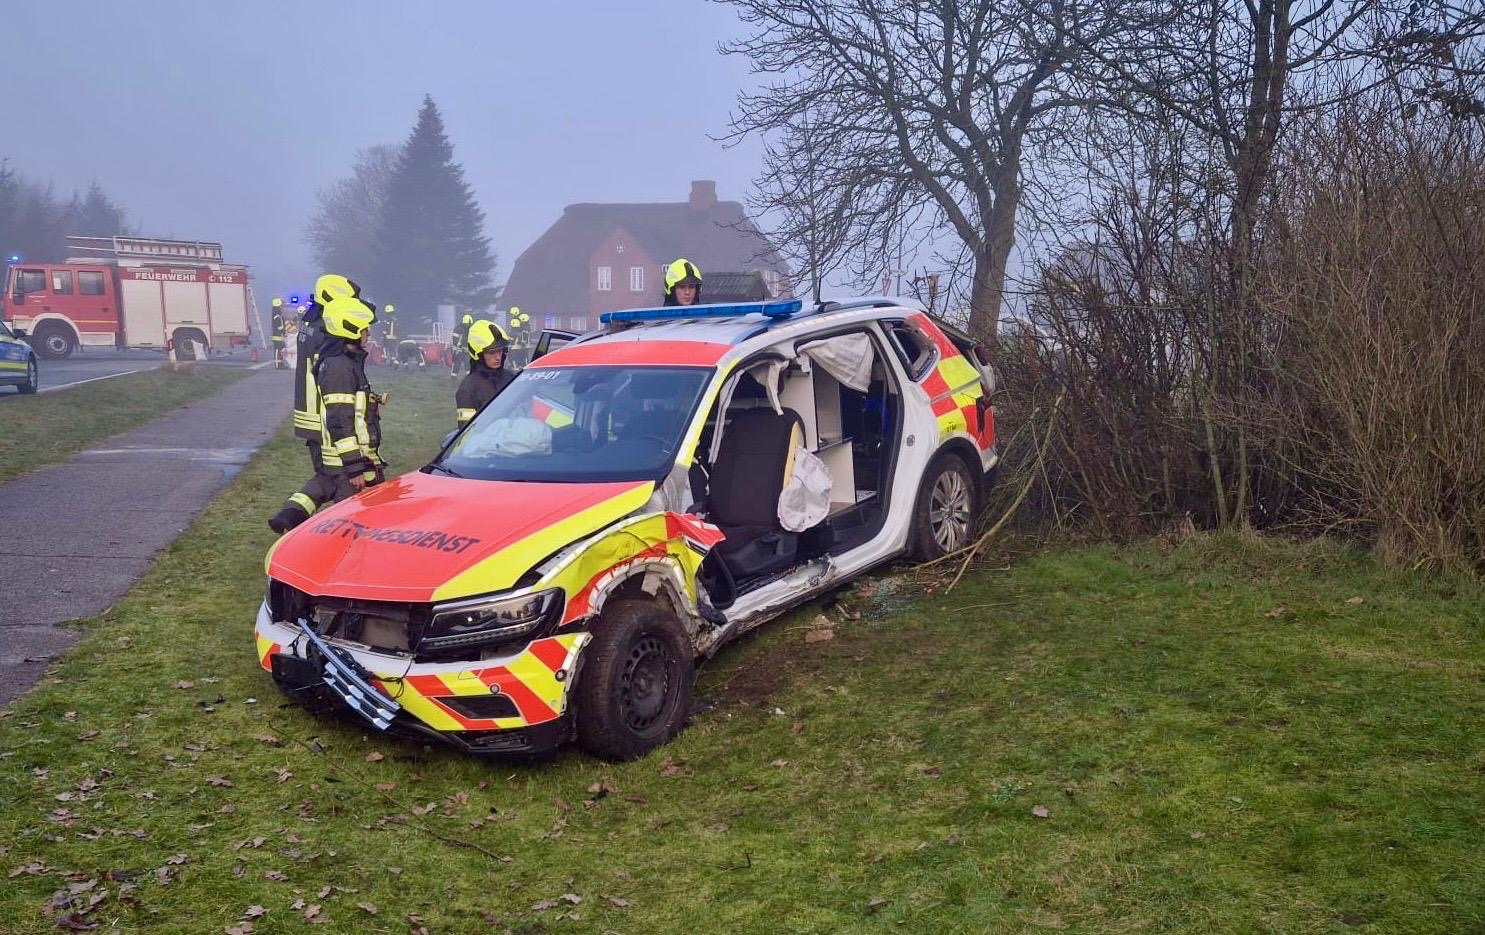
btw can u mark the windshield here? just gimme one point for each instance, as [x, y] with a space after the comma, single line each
[580, 424]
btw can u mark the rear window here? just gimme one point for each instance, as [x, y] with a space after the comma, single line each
[62, 281]
[89, 282]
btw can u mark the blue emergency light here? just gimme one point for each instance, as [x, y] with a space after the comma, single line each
[15, 258]
[680, 312]
[293, 300]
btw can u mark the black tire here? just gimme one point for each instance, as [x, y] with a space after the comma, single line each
[33, 378]
[53, 341]
[634, 688]
[184, 349]
[947, 509]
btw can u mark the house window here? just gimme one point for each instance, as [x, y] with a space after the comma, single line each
[605, 278]
[577, 323]
[636, 279]
[552, 321]
[62, 281]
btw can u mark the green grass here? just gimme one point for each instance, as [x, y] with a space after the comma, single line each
[1204, 766]
[49, 428]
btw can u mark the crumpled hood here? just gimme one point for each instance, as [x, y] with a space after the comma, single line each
[423, 537]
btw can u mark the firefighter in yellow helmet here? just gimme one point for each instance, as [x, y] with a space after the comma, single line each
[276, 334]
[458, 344]
[308, 343]
[487, 346]
[350, 426]
[682, 283]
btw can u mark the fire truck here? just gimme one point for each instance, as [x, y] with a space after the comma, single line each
[131, 292]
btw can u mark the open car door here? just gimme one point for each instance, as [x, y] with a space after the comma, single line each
[549, 341]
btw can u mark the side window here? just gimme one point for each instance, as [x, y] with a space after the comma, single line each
[605, 278]
[917, 353]
[4, 331]
[577, 322]
[636, 279]
[30, 280]
[62, 281]
[552, 321]
[89, 282]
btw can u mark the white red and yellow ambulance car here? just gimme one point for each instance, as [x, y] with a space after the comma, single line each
[626, 505]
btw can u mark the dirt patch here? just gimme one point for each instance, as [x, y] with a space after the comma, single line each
[757, 668]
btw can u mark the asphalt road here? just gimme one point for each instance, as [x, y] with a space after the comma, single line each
[94, 363]
[80, 534]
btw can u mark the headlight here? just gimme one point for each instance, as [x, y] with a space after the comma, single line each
[489, 620]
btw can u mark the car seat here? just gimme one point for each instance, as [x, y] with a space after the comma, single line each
[743, 499]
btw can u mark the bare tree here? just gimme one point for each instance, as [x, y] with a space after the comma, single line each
[342, 231]
[909, 117]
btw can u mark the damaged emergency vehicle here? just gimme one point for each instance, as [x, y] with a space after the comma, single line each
[629, 503]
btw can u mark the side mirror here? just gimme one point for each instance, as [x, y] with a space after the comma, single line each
[18, 332]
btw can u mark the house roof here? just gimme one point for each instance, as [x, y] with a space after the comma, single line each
[551, 276]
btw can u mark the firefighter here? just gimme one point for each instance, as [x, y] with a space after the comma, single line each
[410, 354]
[682, 283]
[277, 334]
[487, 345]
[458, 343]
[389, 333]
[306, 397]
[350, 433]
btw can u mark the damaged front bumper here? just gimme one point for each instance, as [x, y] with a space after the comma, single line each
[517, 703]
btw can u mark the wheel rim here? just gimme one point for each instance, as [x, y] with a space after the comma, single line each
[56, 343]
[644, 688]
[31, 374]
[948, 511]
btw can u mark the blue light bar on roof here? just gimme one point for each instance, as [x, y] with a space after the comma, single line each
[680, 312]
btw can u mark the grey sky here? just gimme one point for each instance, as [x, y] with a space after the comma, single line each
[218, 121]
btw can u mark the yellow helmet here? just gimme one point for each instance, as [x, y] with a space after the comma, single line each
[467, 319]
[388, 308]
[348, 317]
[681, 273]
[485, 335]
[277, 303]
[331, 285]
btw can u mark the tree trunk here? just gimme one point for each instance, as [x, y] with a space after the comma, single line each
[987, 291]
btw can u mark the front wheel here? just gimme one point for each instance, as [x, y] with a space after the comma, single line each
[33, 378]
[948, 507]
[54, 341]
[634, 688]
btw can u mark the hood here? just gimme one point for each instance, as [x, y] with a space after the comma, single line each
[423, 537]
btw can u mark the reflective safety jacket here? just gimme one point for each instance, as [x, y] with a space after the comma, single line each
[306, 396]
[352, 427]
[477, 389]
[278, 327]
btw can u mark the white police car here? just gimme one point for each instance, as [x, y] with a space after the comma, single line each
[17, 361]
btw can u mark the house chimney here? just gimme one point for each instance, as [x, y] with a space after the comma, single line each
[703, 195]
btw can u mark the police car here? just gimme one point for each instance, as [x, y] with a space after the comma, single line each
[17, 361]
[629, 503]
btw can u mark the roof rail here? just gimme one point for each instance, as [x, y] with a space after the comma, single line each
[875, 301]
[782, 309]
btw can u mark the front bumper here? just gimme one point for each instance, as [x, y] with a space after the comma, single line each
[513, 704]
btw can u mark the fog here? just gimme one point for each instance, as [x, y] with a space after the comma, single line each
[219, 122]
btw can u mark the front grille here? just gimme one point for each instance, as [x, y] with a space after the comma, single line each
[482, 706]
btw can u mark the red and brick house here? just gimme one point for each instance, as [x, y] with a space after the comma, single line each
[604, 257]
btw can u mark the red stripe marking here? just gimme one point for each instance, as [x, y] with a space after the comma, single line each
[533, 709]
[552, 653]
[267, 660]
[945, 347]
[429, 686]
[540, 410]
[935, 384]
[944, 406]
[640, 353]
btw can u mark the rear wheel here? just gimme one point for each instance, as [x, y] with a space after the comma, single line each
[948, 507]
[634, 689]
[33, 378]
[53, 340]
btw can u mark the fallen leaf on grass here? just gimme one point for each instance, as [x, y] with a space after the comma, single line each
[875, 903]
[178, 859]
[385, 786]
[780, 763]
[297, 904]
[672, 767]
[368, 908]
[88, 735]
[283, 774]
[219, 781]
[374, 757]
[796, 727]
[544, 905]
[819, 636]
[239, 868]
[1041, 811]
[314, 914]
[1353, 601]
[277, 876]
[70, 716]
[1276, 613]
[34, 869]
[185, 683]
[269, 739]
[254, 912]
[618, 903]
[74, 922]
[572, 898]
[324, 891]
[932, 771]
[241, 928]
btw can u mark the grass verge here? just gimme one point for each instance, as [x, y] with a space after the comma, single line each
[49, 428]
[1226, 735]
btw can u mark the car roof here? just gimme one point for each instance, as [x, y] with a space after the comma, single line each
[708, 340]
